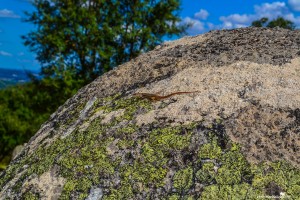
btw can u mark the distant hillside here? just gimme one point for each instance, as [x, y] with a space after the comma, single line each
[12, 77]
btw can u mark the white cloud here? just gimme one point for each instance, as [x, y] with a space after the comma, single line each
[211, 26]
[202, 14]
[295, 4]
[269, 10]
[292, 18]
[196, 25]
[4, 13]
[236, 20]
[3, 53]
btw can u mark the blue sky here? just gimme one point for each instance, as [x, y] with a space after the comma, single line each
[204, 14]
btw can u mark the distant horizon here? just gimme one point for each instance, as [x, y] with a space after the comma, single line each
[10, 77]
[19, 69]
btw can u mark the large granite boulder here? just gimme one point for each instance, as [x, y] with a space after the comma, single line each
[237, 136]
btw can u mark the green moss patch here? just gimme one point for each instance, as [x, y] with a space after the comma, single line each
[183, 179]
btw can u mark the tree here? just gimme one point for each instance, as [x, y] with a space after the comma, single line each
[90, 37]
[24, 107]
[279, 21]
[260, 23]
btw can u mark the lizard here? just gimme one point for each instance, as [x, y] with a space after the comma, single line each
[155, 97]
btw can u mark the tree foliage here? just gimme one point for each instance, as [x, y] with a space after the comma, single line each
[23, 108]
[278, 22]
[90, 37]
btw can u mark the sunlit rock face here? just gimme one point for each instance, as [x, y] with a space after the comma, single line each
[236, 136]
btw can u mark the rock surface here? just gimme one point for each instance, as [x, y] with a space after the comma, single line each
[237, 137]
